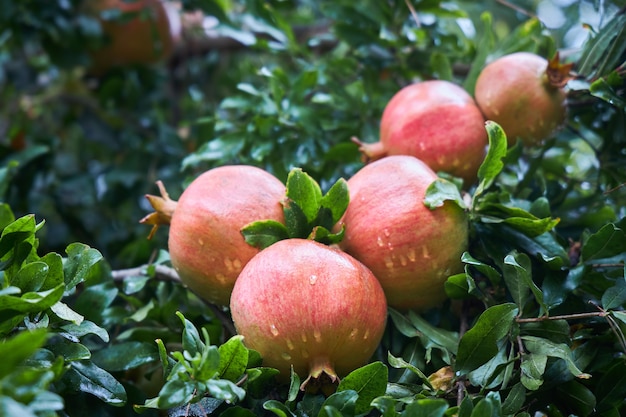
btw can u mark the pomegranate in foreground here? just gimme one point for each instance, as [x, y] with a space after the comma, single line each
[409, 247]
[205, 243]
[436, 121]
[304, 304]
[522, 93]
[146, 36]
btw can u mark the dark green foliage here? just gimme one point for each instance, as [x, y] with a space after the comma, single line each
[534, 325]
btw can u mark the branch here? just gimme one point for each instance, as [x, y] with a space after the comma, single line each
[563, 317]
[161, 272]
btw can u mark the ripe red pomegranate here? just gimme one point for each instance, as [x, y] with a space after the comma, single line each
[205, 243]
[304, 304]
[145, 38]
[410, 248]
[436, 121]
[523, 94]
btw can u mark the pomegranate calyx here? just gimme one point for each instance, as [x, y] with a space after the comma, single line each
[164, 208]
[322, 377]
[558, 73]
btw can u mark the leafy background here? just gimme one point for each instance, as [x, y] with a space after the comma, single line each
[79, 321]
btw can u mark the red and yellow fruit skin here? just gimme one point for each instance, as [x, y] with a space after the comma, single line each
[205, 242]
[302, 303]
[410, 248]
[146, 38]
[515, 92]
[436, 121]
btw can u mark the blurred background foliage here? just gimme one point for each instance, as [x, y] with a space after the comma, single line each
[287, 83]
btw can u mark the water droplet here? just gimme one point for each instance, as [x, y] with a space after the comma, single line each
[286, 356]
[388, 262]
[386, 232]
[366, 334]
[289, 344]
[353, 333]
[237, 264]
[313, 279]
[425, 252]
[274, 330]
[228, 264]
[403, 260]
[201, 242]
[303, 337]
[380, 241]
[317, 335]
[411, 255]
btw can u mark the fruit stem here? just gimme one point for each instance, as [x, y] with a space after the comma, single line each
[164, 208]
[322, 376]
[370, 151]
[558, 74]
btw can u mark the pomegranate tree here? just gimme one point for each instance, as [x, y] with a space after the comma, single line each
[436, 121]
[410, 248]
[205, 243]
[311, 306]
[523, 93]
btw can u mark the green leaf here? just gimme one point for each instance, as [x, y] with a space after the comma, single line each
[71, 351]
[532, 368]
[611, 388]
[369, 381]
[233, 358]
[490, 272]
[264, 233]
[76, 331]
[426, 407]
[615, 296]
[80, 260]
[125, 356]
[278, 408]
[305, 192]
[546, 347]
[514, 400]
[492, 165]
[400, 363]
[223, 389]
[578, 398]
[558, 331]
[31, 277]
[480, 343]
[607, 242]
[518, 277]
[336, 201]
[17, 349]
[191, 338]
[85, 376]
[32, 302]
[460, 286]
[176, 392]
[296, 222]
[440, 191]
[343, 402]
[446, 339]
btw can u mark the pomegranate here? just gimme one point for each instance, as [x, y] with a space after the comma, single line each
[409, 247]
[304, 304]
[523, 93]
[205, 243]
[436, 121]
[146, 38]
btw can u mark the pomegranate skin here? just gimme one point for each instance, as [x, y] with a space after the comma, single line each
[436, 121]
[302, 303]
[205, 242]
[410, 248]
[514, 91]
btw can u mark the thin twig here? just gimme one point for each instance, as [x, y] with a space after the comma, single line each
[563, 317]
[516, 8]
[413, 13]
[161, 272]
[615, 265]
